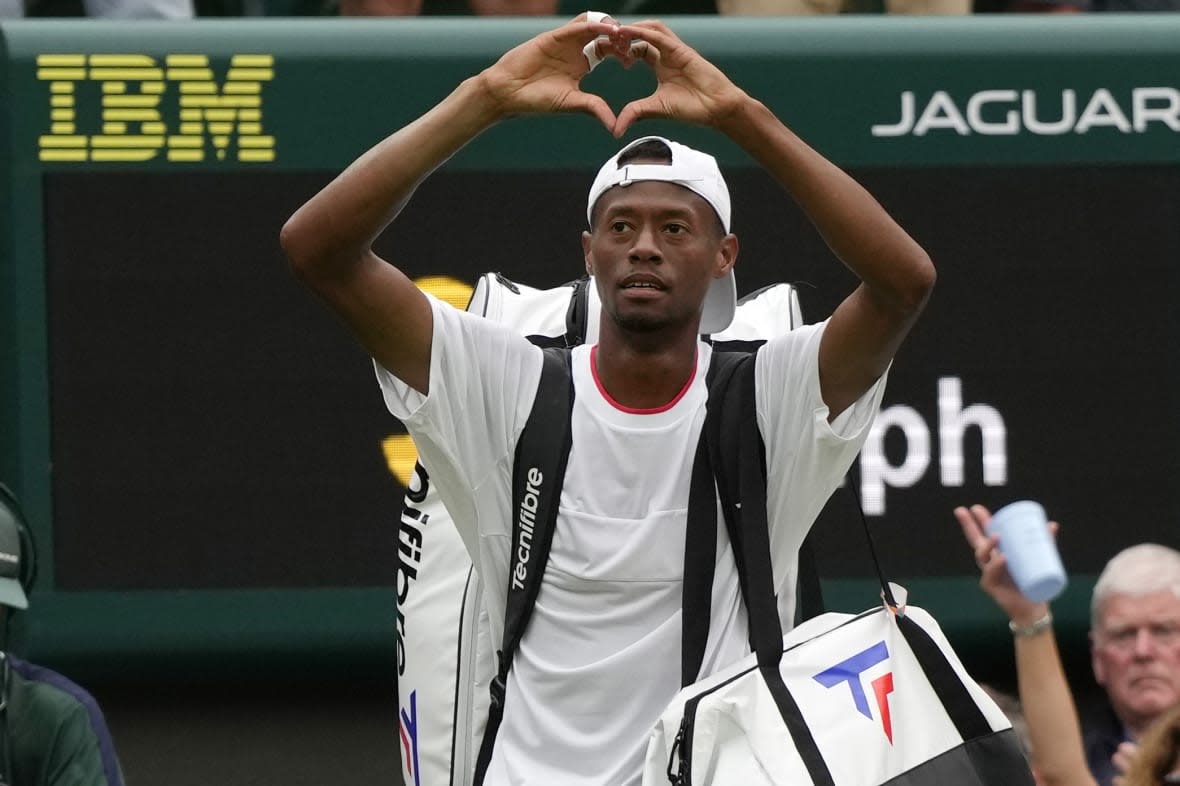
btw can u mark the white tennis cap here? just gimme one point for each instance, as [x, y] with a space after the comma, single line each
[699, 173]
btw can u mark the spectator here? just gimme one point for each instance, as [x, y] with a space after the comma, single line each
[1134, 649]
[1050, 718]
[1035, 6]
[1075, 6]
[1129, 6]
[824, 7]
[478, 7]
[105, 9]
[52, 732]
[591, 674]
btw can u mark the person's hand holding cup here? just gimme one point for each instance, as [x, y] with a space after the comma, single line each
[996, 576]
[1029, 548]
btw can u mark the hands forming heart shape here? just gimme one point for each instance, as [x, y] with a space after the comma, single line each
[543, 74]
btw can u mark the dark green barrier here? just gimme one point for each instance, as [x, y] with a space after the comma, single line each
[203, 453]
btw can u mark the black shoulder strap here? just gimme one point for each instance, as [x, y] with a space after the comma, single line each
[700, 540]
[700, 548]
[576, 316]
[741, 486]
[738, 457]
[537, 475]
[809, 594]
[5, 738]
[578, 313]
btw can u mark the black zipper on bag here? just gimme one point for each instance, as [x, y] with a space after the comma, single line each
[677, 778]
[682, 745]
[683, 741]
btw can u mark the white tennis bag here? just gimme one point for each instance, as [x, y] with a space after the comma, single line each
[841, 700]
[445, 655]
[875, 698]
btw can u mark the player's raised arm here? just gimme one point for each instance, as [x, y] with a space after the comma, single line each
[896, 274]
[328, 241]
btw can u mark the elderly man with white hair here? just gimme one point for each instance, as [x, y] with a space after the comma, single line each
[1134, 651]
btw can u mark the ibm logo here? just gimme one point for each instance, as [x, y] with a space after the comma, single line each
[134, 123]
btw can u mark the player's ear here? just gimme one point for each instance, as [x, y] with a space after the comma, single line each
[586, 252]
[727, 254]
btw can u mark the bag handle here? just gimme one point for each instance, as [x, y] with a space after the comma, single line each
[700, 545]
[886, 589]
[700, 562]
[960, 706]
[749, 533]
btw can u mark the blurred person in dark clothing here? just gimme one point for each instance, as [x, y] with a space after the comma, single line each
[52, 732]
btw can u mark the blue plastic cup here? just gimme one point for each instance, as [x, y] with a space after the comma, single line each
[1030, 549]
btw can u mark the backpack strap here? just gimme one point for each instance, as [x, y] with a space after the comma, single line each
[538, 471]
[809, 592]
[577, 314]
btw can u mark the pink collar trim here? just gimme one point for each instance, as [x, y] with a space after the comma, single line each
[633, 410]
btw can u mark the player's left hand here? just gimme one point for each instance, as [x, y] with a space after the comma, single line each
[689, 88]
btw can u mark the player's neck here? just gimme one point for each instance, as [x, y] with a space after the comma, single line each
[642, 374]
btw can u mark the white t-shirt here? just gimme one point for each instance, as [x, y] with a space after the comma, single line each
[601, 656]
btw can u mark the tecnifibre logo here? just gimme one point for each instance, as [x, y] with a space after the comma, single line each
[1010, 112]
[527, 518]
[410, 539]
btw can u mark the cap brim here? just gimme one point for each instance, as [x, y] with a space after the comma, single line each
[720, 305]
[12, 595]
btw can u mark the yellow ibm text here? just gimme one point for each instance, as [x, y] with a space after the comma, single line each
[400, 453]
[132, 123]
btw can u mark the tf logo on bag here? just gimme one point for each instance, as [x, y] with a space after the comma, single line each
[851, 671]
[884, 685]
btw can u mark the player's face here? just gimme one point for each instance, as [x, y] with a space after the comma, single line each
[655, 248]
